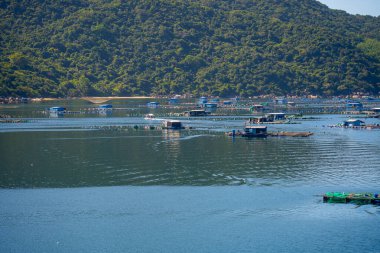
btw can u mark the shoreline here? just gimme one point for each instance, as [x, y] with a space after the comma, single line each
[95, 100]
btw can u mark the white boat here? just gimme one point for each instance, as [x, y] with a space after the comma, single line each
[149, 116]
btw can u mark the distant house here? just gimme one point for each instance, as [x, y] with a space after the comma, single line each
[258, 120]
[255, 131]
[56, 111]
[269, 117]
[275, 116]
[172, 124]
[202, 100]
[195, 113]
[353, 123]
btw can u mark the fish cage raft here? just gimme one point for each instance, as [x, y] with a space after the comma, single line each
[355, 198]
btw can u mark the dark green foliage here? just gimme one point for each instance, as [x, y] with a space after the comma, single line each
[144, 47]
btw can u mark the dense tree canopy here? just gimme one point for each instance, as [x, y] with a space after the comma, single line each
[215, 47]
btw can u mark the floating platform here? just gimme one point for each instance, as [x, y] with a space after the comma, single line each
[290, 134]
[273, 134]
[355, 198]
[13, 121]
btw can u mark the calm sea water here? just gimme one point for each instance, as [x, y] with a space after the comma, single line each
[92, 183]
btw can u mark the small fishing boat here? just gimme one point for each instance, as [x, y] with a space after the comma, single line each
[149, 116]
[356, 198]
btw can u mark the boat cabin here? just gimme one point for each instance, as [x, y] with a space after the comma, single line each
[353, 123]
[172, 124]
[255, 131]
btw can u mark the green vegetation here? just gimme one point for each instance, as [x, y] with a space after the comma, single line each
[216, 47]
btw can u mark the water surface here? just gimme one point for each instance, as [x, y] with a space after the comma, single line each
[89, 183]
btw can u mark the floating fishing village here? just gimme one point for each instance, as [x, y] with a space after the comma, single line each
[259, 118]
[257, 113]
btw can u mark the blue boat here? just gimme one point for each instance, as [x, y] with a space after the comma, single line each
[353, 123]
[105, 106]
[153, 104]
[57, 109]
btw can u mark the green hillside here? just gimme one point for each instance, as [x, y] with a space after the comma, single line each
[214, 47]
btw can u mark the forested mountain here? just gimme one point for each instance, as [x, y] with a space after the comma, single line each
[214, 47]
